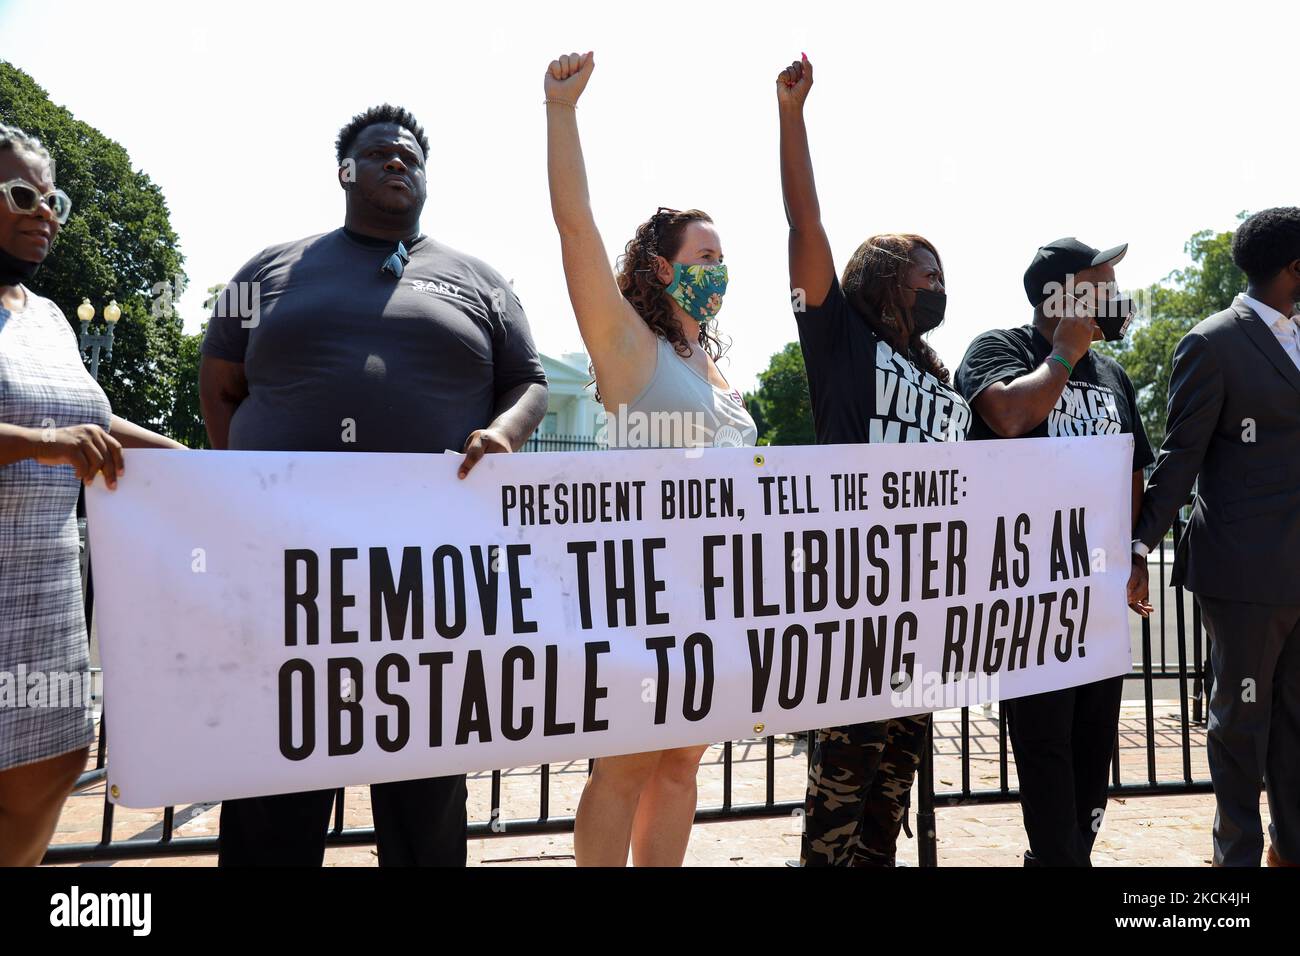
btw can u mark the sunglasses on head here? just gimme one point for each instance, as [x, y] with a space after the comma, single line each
[25, 198]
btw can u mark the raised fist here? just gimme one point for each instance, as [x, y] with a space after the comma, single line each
[567, 77]
[794, 82]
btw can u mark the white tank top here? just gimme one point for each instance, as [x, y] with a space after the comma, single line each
[680, 408]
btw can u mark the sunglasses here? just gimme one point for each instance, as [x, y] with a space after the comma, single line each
[25, 198]
[396, 262]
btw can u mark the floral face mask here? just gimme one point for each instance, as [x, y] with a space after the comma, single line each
[698, 289]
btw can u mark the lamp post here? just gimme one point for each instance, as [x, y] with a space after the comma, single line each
[97, 341]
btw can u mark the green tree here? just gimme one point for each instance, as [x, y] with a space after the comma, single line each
[185, 424]
[782, 401]
[119, 244]
[1171, 307]
[214, 292]
[186, 421]
[756, 413]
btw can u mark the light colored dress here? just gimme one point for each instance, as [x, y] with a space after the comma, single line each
[43, 384]
[680, 408]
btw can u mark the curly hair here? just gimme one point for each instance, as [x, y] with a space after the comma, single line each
[1267, 243]
[373, 117]
[873, 283]
[15, 140]
[638, 279]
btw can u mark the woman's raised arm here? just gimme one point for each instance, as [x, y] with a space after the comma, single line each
[812, 268]
[618, 340]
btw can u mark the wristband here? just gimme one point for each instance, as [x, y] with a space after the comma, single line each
[1068, 367]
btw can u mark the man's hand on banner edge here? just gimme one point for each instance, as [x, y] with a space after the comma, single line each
[482, 441]
[1138, 587]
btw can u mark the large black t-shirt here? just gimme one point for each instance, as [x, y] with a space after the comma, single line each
[342, 357]
[1098, 399]
[864, 391]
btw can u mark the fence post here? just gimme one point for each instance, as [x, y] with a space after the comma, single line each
[927, 838]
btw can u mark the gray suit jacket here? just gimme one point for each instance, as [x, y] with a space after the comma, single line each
[1234, 419]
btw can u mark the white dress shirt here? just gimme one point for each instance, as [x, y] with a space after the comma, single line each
[1285, 327]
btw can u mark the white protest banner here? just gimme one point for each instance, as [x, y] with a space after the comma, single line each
[276, 622]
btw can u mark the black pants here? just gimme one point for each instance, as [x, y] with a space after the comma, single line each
[417, 823]
[1254, 727]
[1063, 741]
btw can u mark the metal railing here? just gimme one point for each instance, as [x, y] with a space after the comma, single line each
[1192, 689]
[540, 442]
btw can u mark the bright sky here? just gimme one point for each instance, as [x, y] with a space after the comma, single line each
[990, 128]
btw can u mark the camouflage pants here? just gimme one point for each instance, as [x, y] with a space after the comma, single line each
[859, 787]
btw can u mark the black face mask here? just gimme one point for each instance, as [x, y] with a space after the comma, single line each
[928, 310]
[14, 270]
[1114, 316]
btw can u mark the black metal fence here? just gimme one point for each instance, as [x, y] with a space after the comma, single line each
[1192, 681]
[540, 442]
[1185, 667]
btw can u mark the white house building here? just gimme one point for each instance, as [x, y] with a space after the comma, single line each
[571, 411]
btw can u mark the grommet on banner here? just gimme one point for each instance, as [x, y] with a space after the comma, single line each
[114, 791]
[758, 460]
[758, 729]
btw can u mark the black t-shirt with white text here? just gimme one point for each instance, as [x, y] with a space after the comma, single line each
[1098, 399]
[340, 356]
[862, 390]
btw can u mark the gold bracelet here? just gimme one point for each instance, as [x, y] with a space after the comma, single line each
[572, 106]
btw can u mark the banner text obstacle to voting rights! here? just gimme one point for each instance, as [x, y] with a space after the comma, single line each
[324, 620]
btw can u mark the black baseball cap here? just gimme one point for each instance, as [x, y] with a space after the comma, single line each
[1064, 257]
